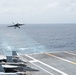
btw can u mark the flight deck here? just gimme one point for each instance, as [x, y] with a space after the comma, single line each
[54, 63]
[59, 63]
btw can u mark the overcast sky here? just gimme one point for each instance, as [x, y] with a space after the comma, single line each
[38, 11]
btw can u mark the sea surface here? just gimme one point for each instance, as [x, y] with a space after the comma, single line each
[38, 38]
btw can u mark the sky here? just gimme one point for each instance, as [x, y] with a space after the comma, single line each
[37, 11]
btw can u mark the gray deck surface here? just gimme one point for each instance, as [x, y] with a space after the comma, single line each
[60, 63]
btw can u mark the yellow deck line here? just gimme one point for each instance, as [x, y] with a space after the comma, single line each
[61, 58]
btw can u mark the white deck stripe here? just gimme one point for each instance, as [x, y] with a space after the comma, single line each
[32, 62]
[62, 73]
[70, 53]
[42, 69]
[61, 58]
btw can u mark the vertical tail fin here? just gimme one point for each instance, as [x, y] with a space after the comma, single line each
[14, 53]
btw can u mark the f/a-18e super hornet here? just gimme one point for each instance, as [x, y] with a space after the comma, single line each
[16, 25]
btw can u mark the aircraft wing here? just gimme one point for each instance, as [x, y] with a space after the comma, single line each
[11, 26]
[3, 73]
[30, 69]
[9, 66]
[20, 24]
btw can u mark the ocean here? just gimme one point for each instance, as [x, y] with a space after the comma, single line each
[38, 38]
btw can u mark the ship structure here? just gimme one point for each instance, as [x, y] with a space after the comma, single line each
[54, 63]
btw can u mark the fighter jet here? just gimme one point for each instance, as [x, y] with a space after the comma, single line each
[16, 25]
[10, 70]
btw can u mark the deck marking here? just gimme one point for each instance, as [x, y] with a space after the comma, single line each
[70, 53]
[42, 68]
[61, 58]
[62, 73]
[32, 62]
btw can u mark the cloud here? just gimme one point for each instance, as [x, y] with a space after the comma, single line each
[52, 5]
[71, 8]
[36, 9]
[35, 6]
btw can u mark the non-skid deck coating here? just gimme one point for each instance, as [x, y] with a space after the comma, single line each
[60, 63]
